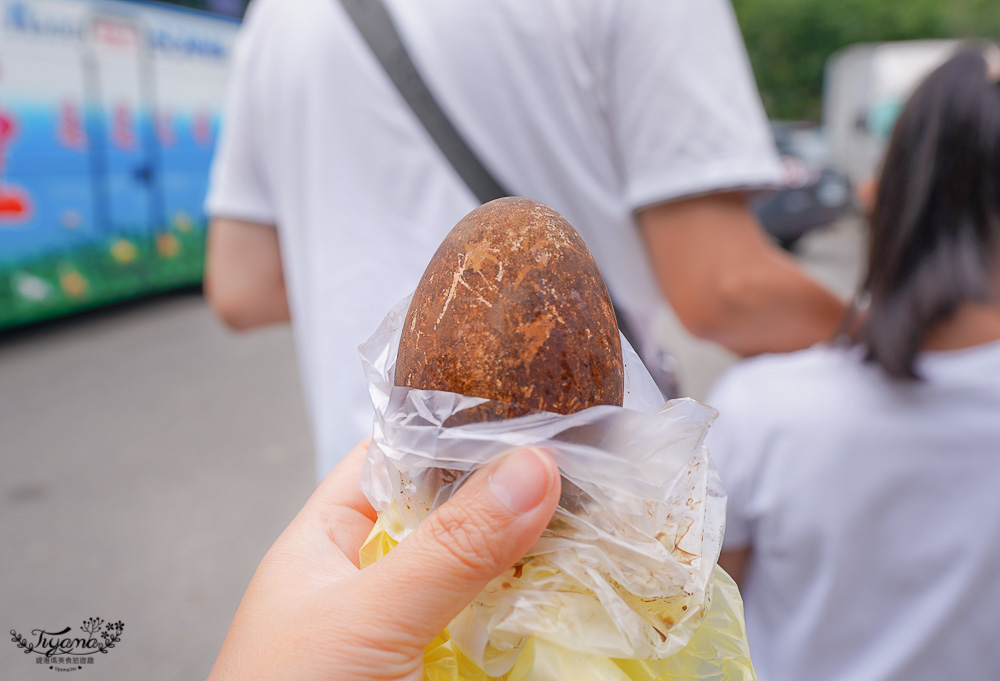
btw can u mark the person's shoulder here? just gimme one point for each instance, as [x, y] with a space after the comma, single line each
[791, 379]
[818, 358]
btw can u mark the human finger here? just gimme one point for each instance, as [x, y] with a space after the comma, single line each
[490, 523]
[338, 508]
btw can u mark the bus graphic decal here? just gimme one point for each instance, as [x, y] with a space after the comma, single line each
[71, 129]
[122, 128]
[108, 119]
[14, 203]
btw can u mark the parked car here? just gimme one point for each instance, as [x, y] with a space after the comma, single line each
[814, 194]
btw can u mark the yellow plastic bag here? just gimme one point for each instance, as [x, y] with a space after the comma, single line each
[622, 584]
[718, 650]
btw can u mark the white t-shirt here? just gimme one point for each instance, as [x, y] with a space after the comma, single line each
[594, 107]
[873, 512]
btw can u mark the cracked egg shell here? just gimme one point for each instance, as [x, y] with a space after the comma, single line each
[513, 308]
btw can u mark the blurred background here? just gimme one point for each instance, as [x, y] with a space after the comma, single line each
[149, 457]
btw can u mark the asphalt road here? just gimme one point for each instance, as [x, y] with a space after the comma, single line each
[149, 458]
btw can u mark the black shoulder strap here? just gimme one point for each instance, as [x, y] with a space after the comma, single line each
[375, 25]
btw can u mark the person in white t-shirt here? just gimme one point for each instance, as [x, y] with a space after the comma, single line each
[864, 480]
[638, 121]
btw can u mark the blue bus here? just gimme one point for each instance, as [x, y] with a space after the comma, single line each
[109, 113]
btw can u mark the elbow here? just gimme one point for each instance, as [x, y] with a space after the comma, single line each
[703, 323]
[229, 304]
[233, 318]
[244, 283]
[719, 308]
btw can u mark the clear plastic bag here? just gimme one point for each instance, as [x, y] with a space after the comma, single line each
[626, 571]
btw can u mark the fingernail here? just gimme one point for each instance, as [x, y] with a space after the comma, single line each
[522, 480]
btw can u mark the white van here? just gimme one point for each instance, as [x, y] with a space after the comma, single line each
[865, 86]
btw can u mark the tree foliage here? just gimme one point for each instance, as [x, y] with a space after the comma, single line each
[789, 41]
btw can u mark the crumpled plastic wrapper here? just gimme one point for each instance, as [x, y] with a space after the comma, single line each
[623, 583]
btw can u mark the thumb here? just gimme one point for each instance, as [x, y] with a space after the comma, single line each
[491, 522]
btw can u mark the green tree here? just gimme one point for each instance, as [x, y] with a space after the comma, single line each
[789, 41]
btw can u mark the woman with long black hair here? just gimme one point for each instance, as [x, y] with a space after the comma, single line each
[864, 477]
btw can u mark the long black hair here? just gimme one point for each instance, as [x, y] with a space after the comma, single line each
[935, 228]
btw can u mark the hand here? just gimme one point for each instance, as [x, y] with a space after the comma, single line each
[311, 613]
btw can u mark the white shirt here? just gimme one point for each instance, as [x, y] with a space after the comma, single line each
[593, 107]
[873, 512]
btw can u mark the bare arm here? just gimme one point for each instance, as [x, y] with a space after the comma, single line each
[244, 280]
[735, 564]
[728, 283]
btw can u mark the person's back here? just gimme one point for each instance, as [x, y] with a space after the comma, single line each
[863, 480]
[871, 507]
[596, 108]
